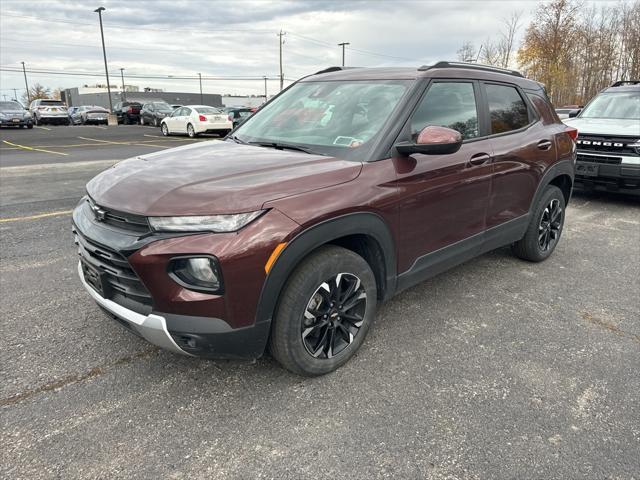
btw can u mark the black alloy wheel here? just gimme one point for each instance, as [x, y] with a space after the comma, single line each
[550, 225]
[334, 315]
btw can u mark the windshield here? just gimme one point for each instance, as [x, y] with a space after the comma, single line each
[10, 106]
[616, 105]
[161, 106]
[207, 110]
[332, 118]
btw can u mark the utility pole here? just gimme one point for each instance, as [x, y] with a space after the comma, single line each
[200, 78]
[104, 53]
[280, 35]
[123, 96]
[26, 84]
[15, 94]
[265, 88]
[343, 45]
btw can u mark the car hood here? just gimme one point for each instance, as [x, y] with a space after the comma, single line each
[214, 177]
[13, 112]
[605, 126]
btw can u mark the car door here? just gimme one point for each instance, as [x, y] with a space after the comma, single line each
[443, 198]
[523, 146]
[183, 119]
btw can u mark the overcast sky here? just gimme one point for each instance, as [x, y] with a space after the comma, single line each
[234, 38]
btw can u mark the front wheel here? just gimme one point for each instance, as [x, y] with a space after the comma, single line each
[324, 312]
[164, 129]
[545, 227]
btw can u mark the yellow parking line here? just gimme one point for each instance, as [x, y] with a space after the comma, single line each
[24, 147]
[43, 128]
[104, 141]
[35, 217]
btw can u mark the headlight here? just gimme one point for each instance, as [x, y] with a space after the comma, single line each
[210, 223]
[197, 273]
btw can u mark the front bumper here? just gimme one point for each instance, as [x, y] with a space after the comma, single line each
[15, 121]
[608, 173]
[151, 327]
[151, 304]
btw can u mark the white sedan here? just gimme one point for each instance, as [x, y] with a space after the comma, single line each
[196, 119]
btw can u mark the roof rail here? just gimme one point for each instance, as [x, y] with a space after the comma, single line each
[621, 83]
[473, 66]
[329, 69]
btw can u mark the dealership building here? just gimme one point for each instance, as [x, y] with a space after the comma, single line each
[98, 95]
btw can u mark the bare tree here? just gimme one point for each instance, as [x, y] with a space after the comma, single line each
[467, 53]
[511, 25]
[490, 53]
[35, 92]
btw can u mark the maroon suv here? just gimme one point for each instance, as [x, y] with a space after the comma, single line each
[348, 187]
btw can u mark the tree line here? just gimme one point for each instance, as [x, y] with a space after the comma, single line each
[575, 50]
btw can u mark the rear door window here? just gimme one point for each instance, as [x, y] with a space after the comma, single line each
[507, 109]
[448, 104]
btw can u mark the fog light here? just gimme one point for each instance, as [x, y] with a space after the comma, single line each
[197, 273]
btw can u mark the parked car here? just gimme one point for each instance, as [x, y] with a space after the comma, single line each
[48, 111]
[127, 112]
[13, 114]
[609, 140]
[291, 232]
[152, 113]
[193, 120]
[237, 115]
[87, 114]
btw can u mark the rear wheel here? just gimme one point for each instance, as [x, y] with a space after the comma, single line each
[324, 312]
[190, 131]
[164, 129]
[544, 229]
[141, 120]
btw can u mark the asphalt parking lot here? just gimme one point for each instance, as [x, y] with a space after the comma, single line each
[495, 369]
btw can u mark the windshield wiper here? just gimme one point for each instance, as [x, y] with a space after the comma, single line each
[286, 146]
[237, 140]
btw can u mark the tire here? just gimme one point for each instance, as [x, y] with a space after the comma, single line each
[164, 129]
[141, 120]
[190, 131]
[30, 126]
[309, 345]
[35, 120]
[155, 122]
[545, 227]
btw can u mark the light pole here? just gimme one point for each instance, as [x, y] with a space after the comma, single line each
[265, 88]
[123, 96]
[343, 44]
[281, 41]
[104, 53]
[200, 79]
[26, 84]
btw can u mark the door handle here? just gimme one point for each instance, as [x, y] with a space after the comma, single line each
[479, 159]
[544, 144]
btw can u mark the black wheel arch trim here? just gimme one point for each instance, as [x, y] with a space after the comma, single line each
[360, 223]
[563, 167]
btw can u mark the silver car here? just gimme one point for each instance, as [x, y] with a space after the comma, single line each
[86, 114]
[13, 114]
[45, 110]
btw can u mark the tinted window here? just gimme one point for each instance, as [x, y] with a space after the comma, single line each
[51, 102]
[508, 110]
[10, 106]
[207, 110]
[185, 112]
[448, 104]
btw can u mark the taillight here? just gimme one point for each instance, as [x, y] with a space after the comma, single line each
[129, 110]
[572, 132]
[230, 118]
[202, 118]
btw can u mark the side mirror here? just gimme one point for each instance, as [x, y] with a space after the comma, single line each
[574, 113]
[433, 140]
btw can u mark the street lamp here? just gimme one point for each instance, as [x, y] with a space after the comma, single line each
[104, 53]
[265, 88]
[343, 44]
[123, 96]
[200, 78]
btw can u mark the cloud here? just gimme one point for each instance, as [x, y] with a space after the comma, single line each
[236, 38]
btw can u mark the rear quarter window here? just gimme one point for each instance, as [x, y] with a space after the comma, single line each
[543, 109]
[507, 109]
